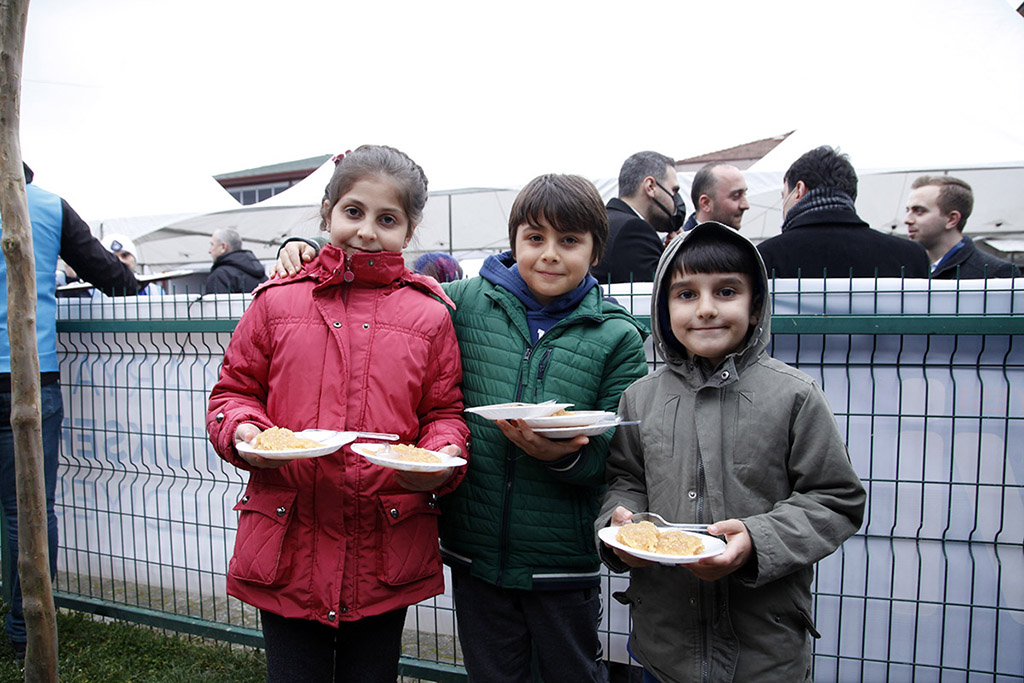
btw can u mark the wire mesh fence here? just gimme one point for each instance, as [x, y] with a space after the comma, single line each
[926, 380]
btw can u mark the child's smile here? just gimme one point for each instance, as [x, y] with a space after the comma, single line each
[369, 218]
[710, 313]
[552, 263]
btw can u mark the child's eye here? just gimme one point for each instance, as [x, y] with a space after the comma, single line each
[570, 240]
[727, 292]
[352, 211]
[387, 220]
[534, 238]
[686, 294]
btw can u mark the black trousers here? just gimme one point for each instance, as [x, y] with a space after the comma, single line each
[301, 651]
[502, 630]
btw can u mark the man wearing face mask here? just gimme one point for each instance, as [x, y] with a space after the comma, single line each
[822, 235]
[648, 203]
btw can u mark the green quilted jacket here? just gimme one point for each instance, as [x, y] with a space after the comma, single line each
[514, 521]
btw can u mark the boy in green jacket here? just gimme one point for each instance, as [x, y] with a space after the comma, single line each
[518, 531]
[733, 438]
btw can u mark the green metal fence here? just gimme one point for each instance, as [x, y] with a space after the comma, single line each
[926, 380]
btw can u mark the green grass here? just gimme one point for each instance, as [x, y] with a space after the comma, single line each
[95, 651]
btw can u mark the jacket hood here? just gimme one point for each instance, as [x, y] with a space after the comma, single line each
[244, 260]
[671, 351]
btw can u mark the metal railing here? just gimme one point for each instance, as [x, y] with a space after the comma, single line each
[926, 381]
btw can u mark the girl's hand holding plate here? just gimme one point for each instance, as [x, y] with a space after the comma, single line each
[428, 481]
[246, 432]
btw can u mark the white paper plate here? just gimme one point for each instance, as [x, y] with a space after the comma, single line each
[517, 411]
[712, 546]
[570, 432]
[578, 418]
[371, 451]
[332, 441]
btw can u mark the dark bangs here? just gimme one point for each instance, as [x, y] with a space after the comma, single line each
[569, 204]
[707, 254]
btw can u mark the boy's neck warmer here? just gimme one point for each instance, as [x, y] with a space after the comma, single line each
[818, 200]
[502, 270]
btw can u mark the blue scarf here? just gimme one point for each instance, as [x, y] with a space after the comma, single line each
[503, 271]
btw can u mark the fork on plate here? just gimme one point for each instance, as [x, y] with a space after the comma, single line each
[658, 520]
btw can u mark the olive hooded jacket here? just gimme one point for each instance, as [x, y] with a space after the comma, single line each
[751, 439]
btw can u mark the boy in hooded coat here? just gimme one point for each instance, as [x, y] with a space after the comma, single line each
[733, 438]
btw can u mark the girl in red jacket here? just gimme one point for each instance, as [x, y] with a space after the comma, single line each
[333, 550]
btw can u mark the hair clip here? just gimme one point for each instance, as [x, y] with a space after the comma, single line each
[338, 157]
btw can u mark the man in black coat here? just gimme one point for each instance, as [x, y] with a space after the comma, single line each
[822, 235]
[648, 203]
[234, 269]
[937, 210]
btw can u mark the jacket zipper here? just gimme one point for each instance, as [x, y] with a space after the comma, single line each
[543, 365]
[701, 487]
[510, 464]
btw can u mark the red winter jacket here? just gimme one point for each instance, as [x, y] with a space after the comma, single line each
[350, 343]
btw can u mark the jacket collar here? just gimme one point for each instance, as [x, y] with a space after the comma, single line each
[828, 217]
[333, 267]
[616, 204]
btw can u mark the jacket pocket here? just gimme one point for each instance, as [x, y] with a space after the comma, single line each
[409, 549]
[265, 512]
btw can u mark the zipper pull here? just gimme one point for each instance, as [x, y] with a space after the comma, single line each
[542, 368]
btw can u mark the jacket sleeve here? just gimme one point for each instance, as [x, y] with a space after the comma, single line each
[240, 395]
[627, 485]
[623, 366]
[90, 259]
[440, 411]
[826, 505]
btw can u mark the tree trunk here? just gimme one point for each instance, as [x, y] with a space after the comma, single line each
[33, 550]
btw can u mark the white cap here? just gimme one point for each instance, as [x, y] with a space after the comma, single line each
[118, 242]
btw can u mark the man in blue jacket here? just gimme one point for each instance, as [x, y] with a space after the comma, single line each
[56, 231]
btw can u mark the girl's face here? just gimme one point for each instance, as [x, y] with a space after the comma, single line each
[369, 218]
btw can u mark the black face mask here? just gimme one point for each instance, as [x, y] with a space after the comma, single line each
[678, 215]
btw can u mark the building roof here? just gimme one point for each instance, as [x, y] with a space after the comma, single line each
[289, 170]
[741, 156]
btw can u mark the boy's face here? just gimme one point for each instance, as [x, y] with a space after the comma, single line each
[710, 312]
[552, 263]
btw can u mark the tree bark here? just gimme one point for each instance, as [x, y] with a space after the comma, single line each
[26, 421]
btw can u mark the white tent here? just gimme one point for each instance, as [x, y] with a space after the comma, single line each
[471, 221]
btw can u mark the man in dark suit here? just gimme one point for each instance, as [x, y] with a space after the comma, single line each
[822, 235]
[648, 203]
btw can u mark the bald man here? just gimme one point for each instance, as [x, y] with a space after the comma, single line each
[719, 193]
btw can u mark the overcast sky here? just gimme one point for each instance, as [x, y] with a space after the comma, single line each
[130, 106]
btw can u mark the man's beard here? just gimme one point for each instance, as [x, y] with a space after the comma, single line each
[730, 220]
